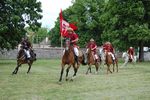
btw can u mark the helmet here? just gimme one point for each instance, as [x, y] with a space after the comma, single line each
[131, 47]
[107, 42]
[70, 29]
[92, 40]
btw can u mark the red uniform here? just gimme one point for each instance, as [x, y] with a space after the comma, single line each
[130, 52]
[108, 48]
[72, 37]
[92, 46]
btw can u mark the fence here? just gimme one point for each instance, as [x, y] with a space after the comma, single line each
[51, 53]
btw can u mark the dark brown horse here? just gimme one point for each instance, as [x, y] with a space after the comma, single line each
[110, 61]
[21, 59]
[91, 61]
[68, 59]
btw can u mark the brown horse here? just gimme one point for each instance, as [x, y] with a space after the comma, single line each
[109, 61]
[91, 61]
[68, 59]
[21, 59]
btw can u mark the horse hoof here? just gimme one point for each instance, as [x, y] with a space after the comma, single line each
[28, 72]
[66, 79]
[59, 82]
[13, 73]
[71, 80]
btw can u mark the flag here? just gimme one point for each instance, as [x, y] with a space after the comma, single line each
[73, 26]
[64, 25]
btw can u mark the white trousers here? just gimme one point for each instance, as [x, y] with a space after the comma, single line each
[27, 53]
[110, 53]
[96, 56]
[76, 51]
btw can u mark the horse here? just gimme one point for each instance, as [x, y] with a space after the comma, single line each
[21, 59]
[91, 61]
[110, 61]
[101, 56]
[68, 58]
[126, 59]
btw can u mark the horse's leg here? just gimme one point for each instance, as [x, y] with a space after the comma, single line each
[62, 71]
[113, 67]
[117, 66]
[97, 66]
[67, 71]
[16, 69]
[75, 71]
[29, 64]
[108, 68]
[89, 68]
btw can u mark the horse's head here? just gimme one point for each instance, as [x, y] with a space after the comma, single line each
[125, 55]
[33, 55]
[101, 53]
[67, 44]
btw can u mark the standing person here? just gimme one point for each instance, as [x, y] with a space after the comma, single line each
[73, 38]
[131, 53]
[107, 47]
[26, 46]
[92, 45]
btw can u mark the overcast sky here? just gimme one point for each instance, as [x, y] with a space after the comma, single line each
[51, 10]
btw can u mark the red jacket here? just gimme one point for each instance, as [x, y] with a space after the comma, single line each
[72, 37]
[108, 48]
[130, 51]
[92, 46]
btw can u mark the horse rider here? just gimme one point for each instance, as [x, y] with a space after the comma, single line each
[107, 47]
[73, 39]
[92, 45]
[130, 52]
[26, 46]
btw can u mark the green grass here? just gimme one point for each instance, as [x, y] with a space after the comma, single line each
[130, 83]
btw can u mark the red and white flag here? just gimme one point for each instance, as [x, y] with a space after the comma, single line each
[64, 25]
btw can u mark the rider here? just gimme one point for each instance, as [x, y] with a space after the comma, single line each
[26, 46]
[107, 47]
[73, 38]
[92, 45]
[131, 52]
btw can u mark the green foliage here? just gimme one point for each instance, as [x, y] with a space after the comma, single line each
[41, 34]
[14, 15]
[86, 14]
[124, 23]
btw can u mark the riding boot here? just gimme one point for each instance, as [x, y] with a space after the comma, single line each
[28, 60]
[113, 61]
[77, 59]
[96, 60]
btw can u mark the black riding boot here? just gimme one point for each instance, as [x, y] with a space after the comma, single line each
[77, 59]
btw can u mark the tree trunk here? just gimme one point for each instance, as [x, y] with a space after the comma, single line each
[141, 52]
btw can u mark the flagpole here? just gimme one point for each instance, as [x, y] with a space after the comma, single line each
[61, 46]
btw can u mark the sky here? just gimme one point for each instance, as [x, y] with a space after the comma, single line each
[51, 10]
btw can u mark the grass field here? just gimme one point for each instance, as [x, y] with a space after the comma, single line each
[130, 83]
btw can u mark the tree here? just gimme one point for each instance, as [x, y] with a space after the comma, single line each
[85, 13]
[15, 15]
[125, 24]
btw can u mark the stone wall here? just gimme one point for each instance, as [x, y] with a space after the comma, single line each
[46, 53]
[51, 53]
